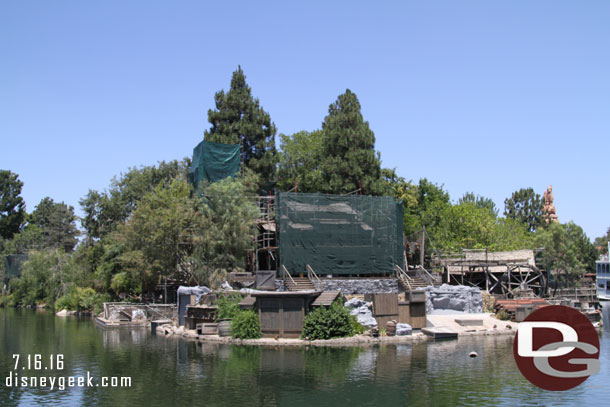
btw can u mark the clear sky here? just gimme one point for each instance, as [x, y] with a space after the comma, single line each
[482, 96]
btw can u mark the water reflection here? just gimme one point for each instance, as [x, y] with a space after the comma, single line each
[172, 371]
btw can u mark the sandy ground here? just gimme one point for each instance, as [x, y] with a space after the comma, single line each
[490, 326]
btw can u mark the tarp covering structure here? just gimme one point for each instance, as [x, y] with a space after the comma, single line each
[339, 235]
[13, 264]
[214, 161]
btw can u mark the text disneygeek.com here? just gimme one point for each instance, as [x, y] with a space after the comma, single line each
[37, 362]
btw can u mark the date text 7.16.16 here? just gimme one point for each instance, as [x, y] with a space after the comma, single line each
[38, 362]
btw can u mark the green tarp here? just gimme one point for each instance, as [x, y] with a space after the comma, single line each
[13, 263]
[214, 161]
[339, 235]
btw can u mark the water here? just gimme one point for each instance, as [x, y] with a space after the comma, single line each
[173, 372]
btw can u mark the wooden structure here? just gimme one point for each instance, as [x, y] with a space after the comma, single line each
[196, 314]
[281, 314]
[325, 299]
[505, 273]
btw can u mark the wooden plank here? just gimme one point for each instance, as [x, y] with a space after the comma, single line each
[385, 304]
[247, 303]
[325, 299]
[417, 313]
[404, 314]
[440, 333]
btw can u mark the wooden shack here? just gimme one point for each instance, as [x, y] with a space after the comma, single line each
[281, 314]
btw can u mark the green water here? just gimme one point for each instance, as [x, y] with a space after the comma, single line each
[173, 372]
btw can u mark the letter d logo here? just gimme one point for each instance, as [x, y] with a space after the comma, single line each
[556, 348]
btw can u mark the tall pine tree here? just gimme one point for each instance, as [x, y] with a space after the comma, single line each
[349, 145]
[239, 119]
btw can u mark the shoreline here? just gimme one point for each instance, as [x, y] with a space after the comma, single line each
[489, 327]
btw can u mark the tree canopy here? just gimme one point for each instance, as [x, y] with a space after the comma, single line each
[350, 160]
[567, 251]
[526, 207]
[12, 206]
[239, 119]
[57, 222]
[300, 161]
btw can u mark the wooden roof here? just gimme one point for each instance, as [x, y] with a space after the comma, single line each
[326, 298]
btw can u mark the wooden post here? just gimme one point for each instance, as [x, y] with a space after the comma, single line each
[422, 247]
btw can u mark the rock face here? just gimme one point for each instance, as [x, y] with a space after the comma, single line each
[549, 211]
[454, 298]
[362, 311]
[403, 329]
[360, 286]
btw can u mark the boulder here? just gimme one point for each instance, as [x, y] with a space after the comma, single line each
[403, 329]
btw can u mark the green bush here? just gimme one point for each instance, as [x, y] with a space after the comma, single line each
[245, 325]
[81, 299]
[325, 323]
[357, 327]
[503, 315]
[228, 306]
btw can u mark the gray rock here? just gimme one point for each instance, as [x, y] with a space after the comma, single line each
[360, 286]
[362, 311]
[354, 303]
[403, 329]
[454, 298]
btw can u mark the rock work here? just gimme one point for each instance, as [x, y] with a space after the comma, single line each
[361, 286]
[458, 298]
[549, 211]
[403, 329]
[362, 311]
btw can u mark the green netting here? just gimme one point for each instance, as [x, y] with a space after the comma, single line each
[214, 161]
[13, 263]
[339, 235]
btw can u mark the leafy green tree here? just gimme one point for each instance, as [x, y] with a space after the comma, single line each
[239, 119]
[58, 224]
[525, 206]
[407, 193]
[12, 206]
[601, 243]
[225, 233]
[568, 252]
[468, 226]
[349, 147]
[155, 239]
[104, 211]
[300, 161]
[42, 279]
[433, 203]
[480, 202]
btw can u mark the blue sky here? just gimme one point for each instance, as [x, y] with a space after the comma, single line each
[481, 96]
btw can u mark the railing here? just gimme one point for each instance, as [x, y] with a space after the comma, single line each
[150, 310]
[401, 275]
[286, 273]
[312, 274]
[425, 275]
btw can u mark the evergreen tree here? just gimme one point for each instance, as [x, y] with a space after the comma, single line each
[525, 206]
[12, 207]
[58, 224]
[349, 145]
[239, 119]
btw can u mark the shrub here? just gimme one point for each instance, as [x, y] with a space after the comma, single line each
[357, 327]
[503, 315]
[228, 306]
[81, 299]
[325, 323]
[245, 325]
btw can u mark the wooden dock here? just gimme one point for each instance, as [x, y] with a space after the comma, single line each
[440, 332]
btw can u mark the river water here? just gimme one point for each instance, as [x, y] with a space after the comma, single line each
[173, 372]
